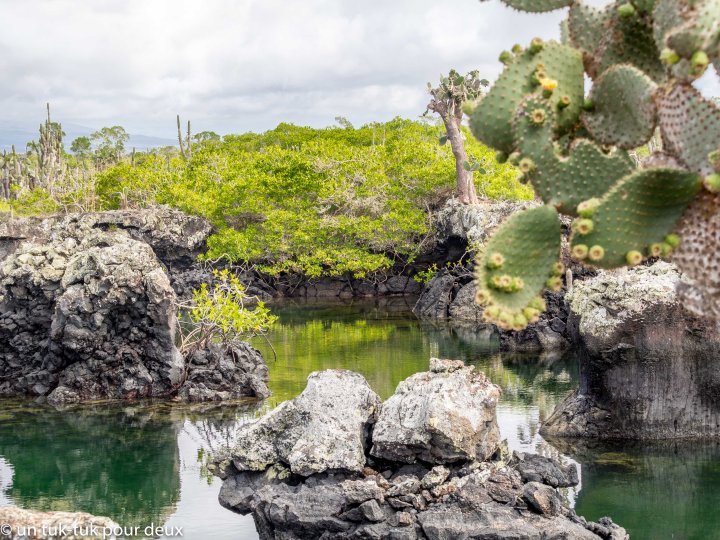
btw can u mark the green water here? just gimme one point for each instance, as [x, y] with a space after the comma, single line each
[144, 463]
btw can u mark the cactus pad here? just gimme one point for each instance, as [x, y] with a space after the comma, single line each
[637, 212]
[537, 6]
[700, 30]
[607, 39]
[564, 182]
[529, 246]
[491, 121]
[690, 126]
[699, 253]
[624, 113]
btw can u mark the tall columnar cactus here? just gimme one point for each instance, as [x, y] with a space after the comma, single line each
[642, 57]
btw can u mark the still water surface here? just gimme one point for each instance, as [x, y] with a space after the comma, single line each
[143, 464]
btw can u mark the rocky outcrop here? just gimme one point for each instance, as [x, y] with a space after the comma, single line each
[324, 428]
[450, 296]
[648, 368]
[224, 371]
[473, 224]
[503, 497]
[88, 313]
[441, 416]
[20, 524]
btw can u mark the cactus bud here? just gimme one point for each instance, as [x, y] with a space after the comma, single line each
[580, 251]
[536, 45]
[506, 57]
[554, 284]
[514, 158]
[655, 250]
[531, 314]
[518, 284]
[596, 253]
[564, 102]
[714, 159]
[699, 62]
[583, 226]
[538, 117]
[504, 282]
[517, 49]
[519, 322]
[538, 303]
[505, 320]
[669, 57]
[633, 257]
[558, 269]
[586, 209]
[495, 260]
[673, 240]
[627, 10]
[526, 165]
[481, 297]
[491, 312]
[665, 249]
[712, 183]
[588, 105]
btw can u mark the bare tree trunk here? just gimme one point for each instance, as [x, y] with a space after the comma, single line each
[465, 184]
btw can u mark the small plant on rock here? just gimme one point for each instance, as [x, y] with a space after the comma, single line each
[221, 314]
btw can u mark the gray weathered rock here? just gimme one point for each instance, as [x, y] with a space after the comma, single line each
[464, 507]
[87, 320]
[648, 368]
[225, 371]
[468, 499]
[440, 416]
[87, 311]
[34, 525]
[324, 428]
[474, 223]
[537, 468]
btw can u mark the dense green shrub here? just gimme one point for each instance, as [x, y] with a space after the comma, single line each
[326, 202]
[335, 201]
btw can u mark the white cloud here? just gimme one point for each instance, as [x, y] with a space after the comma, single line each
[237, 65]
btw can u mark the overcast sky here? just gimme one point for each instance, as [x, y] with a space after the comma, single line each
[240, 65]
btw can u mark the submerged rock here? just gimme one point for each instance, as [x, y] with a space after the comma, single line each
[324, 428]
[34, 525]
[441, 416]
[648, 368]
[387, 498]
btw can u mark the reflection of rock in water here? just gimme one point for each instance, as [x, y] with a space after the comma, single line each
[109, 461]
[656, 490]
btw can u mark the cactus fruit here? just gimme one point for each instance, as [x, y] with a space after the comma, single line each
[529, 243]
[642, 57]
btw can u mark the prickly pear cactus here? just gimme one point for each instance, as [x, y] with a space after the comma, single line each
[642, 57]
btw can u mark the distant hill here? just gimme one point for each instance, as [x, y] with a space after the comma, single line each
[20, 135]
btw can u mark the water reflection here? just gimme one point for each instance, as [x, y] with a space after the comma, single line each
[655, 490]
[145, 463]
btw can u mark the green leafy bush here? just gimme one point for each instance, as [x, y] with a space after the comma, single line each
[219, 314]
[324, 202]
